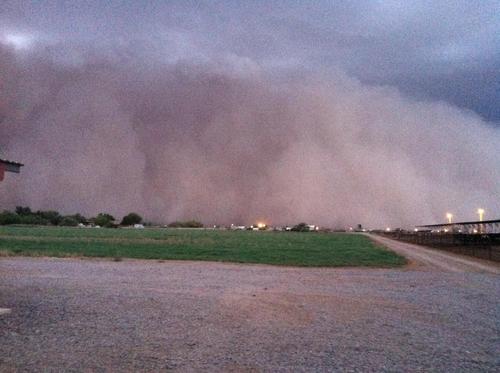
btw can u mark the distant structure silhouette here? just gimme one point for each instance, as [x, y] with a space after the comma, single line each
[9, 166]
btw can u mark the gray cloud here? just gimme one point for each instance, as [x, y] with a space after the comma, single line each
[445, 50]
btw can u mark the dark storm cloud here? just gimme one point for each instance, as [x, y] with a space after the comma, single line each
[231, 112]
[430, 50]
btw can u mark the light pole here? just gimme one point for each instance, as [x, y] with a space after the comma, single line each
[481, 214]
[449, 216]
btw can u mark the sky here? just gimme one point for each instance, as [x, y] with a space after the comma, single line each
[337, 113]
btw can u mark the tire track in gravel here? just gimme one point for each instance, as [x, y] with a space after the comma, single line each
[436, 259]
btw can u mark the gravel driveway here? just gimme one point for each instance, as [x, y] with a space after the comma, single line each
[433, 259]
[99, 315]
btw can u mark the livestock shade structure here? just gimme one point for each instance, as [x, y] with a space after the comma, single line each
[467, 227]
[9, 166]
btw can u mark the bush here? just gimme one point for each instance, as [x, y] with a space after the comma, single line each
[131, 219]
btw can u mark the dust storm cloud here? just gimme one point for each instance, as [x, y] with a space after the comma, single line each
[226, 142]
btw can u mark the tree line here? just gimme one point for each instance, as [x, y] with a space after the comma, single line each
[24, 215]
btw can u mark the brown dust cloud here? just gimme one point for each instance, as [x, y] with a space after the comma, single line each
[225, 142]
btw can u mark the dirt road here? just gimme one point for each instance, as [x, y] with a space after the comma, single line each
[434, 259]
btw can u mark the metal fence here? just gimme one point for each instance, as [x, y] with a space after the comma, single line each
[481, 245]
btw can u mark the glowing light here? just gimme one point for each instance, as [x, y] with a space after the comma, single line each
[388, 229]
[416, 230]
[261, 225]
[449, 216]
[18, 41]
[481, 214]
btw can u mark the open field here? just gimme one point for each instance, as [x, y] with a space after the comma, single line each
[280, 248]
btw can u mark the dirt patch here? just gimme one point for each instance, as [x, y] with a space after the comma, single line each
[264, 308]
[284, 310]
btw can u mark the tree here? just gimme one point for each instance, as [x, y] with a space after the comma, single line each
[301, 227]
[110, 224]
[53, 217]
[33, 219]
[23, 211]
[8, 217]
[193, 224]
[68, 221]
[186, 224]
[103, 219]
[131, 219]
[79, 218]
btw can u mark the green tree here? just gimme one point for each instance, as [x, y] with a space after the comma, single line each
[53, 217]
[33, 219]
[131, 219]
[186, 224]
[103, 219]
[301, 227]
[23, 211]
[79, 218]
[8, 217]
[68, 221]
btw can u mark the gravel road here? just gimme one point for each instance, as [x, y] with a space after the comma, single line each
[438, 260]
[100, 315]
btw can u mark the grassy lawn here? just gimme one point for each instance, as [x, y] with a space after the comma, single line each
[281, 248]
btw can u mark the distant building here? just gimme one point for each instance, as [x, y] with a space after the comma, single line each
[238, 227]
[9, 166]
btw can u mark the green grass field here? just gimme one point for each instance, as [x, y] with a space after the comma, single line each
[280, 248]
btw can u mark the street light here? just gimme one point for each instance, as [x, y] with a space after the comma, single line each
[481, 214]
[449, 216]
